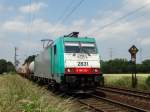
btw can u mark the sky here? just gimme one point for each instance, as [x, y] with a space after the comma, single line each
[25, 22]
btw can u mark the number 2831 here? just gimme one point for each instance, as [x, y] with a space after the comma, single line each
[82, 63]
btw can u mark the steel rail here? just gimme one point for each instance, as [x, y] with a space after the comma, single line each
[92, 107]
[123, 92]
[129, 90]
[121, 104]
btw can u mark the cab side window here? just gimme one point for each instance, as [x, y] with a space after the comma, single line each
[55, 51]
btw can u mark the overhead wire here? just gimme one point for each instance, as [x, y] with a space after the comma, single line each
[62, 15]
[29, 21]
[64, 18]
[65, 11]
[73, 10]
[120, 18]
[109, 16]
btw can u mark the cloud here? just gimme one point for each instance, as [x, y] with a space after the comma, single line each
[29, 44]
[37, 26]
[6, 49]
[145, 41]
[4, 8]
[121, 29]
[34, 7]
[22, 26]
[136, 3]
[103, 29]
[123, 32]
[28, 47]
[79, 23]
[118, 30]
[15, 26]
[133, 4]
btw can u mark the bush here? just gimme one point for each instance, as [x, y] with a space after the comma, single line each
[125, 81]
[3, 66]
[6, 67]
[148, 81]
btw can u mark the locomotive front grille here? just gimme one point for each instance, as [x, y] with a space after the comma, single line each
[80, 81]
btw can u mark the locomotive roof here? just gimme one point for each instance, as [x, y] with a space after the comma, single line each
[79, 39]
[73, 39]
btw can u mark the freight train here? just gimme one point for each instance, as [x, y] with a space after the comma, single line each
[70, 63]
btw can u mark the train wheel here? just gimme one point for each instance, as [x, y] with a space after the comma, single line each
[53, 86]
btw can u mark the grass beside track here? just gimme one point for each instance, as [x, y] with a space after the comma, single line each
[125, 80]
[21, 95]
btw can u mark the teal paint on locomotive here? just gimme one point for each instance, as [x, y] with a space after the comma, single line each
[58, 59]
[80, 39]
[50, 62]
[54, 59]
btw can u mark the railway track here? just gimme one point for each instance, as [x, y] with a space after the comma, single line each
[98, 103]
[95, 104]
[133, 93]
[109, 99]
[134, 100]
[130, 90]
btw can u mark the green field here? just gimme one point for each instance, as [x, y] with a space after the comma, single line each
[125, 80]
[21, 95]
[18, 94]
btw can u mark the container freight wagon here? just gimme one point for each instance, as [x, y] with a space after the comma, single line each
[70, 63]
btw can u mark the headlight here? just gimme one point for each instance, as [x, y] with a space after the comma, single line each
[68, 70]
[96, 70]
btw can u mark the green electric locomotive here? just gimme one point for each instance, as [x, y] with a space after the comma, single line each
[70, 63]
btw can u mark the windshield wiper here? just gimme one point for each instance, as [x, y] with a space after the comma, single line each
[85, 51]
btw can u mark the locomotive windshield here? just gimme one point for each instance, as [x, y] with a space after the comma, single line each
[72, 48]
[88, 48]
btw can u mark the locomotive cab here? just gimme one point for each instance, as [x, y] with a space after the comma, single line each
[81, 63]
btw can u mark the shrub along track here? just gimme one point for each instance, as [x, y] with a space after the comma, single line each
[133, 100]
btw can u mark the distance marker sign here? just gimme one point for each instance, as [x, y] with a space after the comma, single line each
[133, 50]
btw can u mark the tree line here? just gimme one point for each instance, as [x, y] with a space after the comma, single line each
[124, 66]
[110, 66]
[6, 66]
